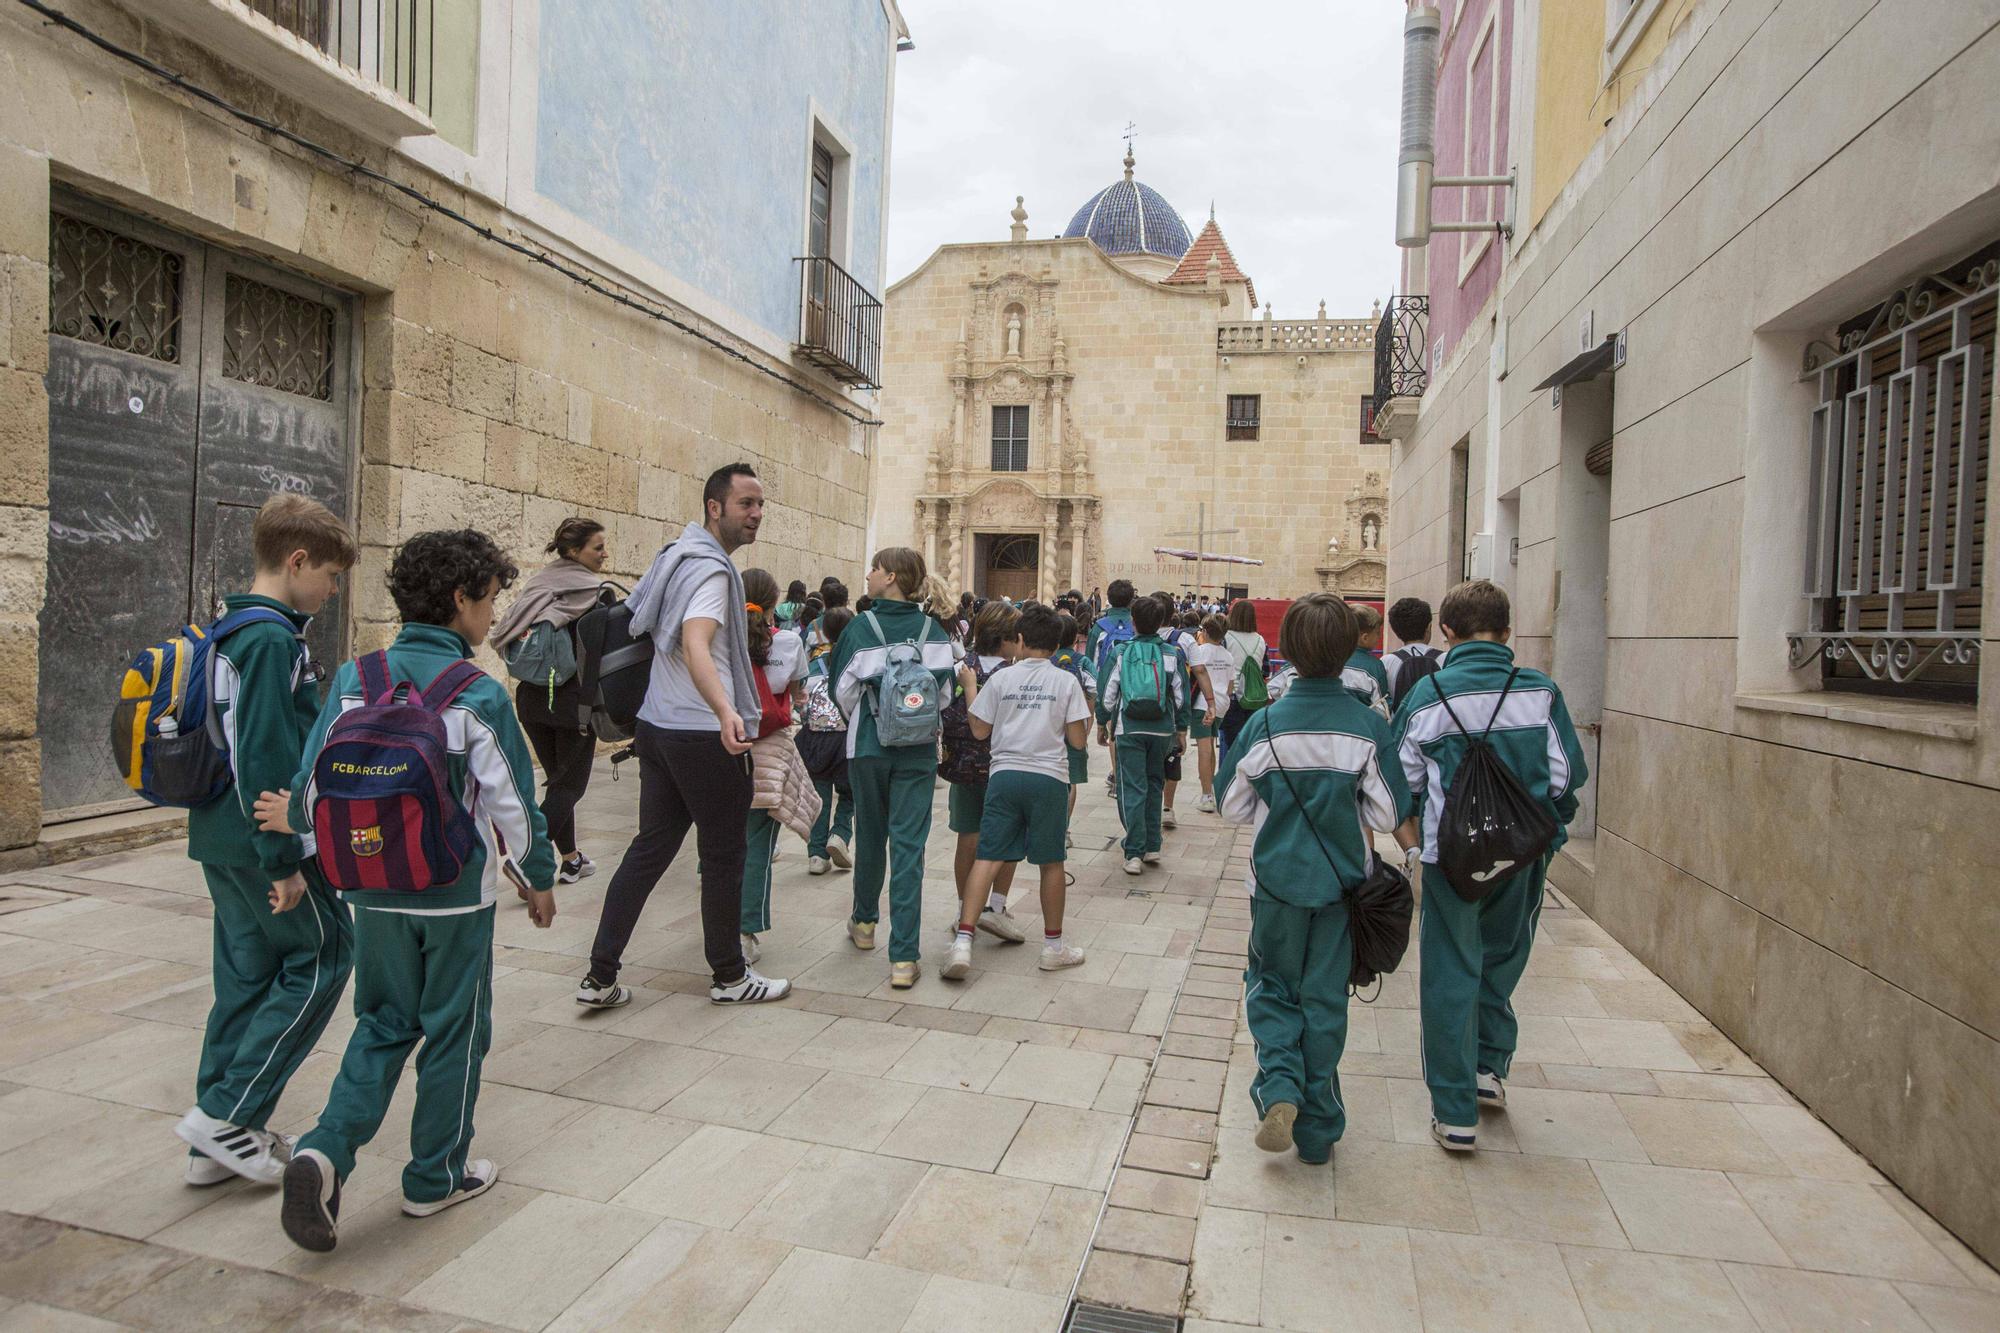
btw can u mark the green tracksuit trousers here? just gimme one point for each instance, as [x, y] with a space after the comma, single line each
[892, 820]
[760, 839]
[418, 977]
[836, 818]
[1142, 787]
[1295, 997]
[278, 980]
[1470, 958]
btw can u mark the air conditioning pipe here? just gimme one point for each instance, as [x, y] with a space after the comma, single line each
[1416, 162]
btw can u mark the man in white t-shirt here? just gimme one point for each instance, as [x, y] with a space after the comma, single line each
[1035, 713]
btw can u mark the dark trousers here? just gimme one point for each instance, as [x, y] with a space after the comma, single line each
[1228, 725]
[565, 755]
[685, 778]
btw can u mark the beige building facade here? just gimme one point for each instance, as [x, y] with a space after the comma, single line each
[1747, 535]
[199, 313]
[1056, 409]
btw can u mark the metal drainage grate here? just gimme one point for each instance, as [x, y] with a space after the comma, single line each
[1087, 1318]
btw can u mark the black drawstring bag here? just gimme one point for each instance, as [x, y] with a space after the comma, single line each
[1378, 909]
[1490, 827]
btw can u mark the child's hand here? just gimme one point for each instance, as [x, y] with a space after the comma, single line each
[542, 907]
[274, 811]
[1208, 718]
[287, 893]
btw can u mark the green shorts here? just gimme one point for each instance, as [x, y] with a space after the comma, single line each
[1026, 816]
[1079, 767]
[967, 799]
[1199, 730]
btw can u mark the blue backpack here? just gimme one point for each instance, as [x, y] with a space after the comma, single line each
[1143, 691]
[1111, 635]
[166, 739]
[909, 701]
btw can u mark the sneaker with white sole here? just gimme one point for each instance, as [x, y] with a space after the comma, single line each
[479, 1177]
[1055, 957]
[202, 1172]
[1151, 858]
[1455, 1138]
[1274, 1133]
[753, 989]
[1133, 865]
[1001, 925]
[1492, 1092]
[1206, 805]
[1167, 819]
[579, 867]
[602, 994]
[751, 950]
[311, 1202]
[902, 976]
[862, 933]
[959, 960]
[816, 865]
[837, 852]
[250, 1153]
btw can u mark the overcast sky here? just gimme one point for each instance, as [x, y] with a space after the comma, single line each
[1284, 112]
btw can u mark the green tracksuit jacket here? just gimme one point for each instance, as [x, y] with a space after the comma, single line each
[1366, 678]
[1180, 704]
[860, 656]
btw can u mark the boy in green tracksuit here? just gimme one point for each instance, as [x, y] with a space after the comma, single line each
[1301, 770]
[1472, 954]
[892, 784]
[1364, 675]
[424, 965]
[283, 945]
[1115, 624]
[1144, 742]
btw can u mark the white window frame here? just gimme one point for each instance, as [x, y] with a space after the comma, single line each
[1625, 22]
[1474, 245]
[821, 131]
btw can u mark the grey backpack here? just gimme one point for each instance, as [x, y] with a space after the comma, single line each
[909, 701]
[545, 656]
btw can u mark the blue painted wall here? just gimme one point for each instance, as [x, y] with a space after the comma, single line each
[679, 128]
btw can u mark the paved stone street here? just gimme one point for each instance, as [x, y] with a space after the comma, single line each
[859, 1159]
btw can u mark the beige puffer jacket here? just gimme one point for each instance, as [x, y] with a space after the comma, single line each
[780, 783]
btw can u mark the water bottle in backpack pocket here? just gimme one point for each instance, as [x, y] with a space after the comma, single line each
[908, 698]
[166, 734]
[384, 809]
[1491, 827]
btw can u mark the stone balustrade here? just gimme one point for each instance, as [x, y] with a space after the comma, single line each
[1295, 335]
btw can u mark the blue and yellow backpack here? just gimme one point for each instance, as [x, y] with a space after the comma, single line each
[165, 738]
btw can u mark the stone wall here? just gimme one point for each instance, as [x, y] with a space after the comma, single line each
[495, 393]
[1814, 871]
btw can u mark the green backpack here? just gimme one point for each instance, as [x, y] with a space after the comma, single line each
[545, 656]
[1142, 680]
[1254, 694]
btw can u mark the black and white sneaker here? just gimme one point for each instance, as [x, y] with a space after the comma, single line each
[311, 1205]
[479, 1178]
[250, 1153]
[602, 994]
[1455, 1138]
[1492, 1092]
[576, 868]
[753, 989]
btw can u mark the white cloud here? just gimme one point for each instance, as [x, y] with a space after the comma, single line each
[1283, 113]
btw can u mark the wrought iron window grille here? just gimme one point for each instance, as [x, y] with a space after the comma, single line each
[276, 340]
[113, 290]
[840, 323]
[1401, 369]
[1899, 449]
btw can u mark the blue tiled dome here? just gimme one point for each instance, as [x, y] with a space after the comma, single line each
[1128, 218]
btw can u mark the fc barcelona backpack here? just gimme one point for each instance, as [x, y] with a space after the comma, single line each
[384, 811]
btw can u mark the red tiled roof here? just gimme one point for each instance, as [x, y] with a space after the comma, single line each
[1193, 269]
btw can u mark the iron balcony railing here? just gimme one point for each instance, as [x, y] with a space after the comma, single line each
[392, 42]
[840, 324]
[1401, 348]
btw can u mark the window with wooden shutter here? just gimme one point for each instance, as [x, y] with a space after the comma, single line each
[1900, 446]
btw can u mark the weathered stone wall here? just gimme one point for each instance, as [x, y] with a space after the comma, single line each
[496, 393]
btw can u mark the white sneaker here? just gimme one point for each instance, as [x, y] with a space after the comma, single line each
[204, 1171]
[1001, 925]
[902, 976]
[1132, 865]
[750, 949]
[1167, 819]
[862, 933]
[249, 1153]
[602, 994]
[1455, 1138]
[753, 989]
[1058, 956]
[816, 865]
[1151, 858]
[841, 857]
[1492, 1092]
[479, 1178]
[1206, 805]
[958, 961]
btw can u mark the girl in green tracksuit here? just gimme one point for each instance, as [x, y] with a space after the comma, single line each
[283, 943]
[892, 785]
[424, 961]
[1143, 744]
[1300, 771]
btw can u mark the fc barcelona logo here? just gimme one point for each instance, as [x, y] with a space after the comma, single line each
[366, 841]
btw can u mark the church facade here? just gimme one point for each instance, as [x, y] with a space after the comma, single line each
[1058, 411]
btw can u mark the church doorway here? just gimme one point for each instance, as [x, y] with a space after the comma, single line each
[1008, 564]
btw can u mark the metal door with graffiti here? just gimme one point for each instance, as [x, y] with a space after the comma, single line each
[187, 384]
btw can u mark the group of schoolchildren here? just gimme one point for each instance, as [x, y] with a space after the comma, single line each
[318, 807]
